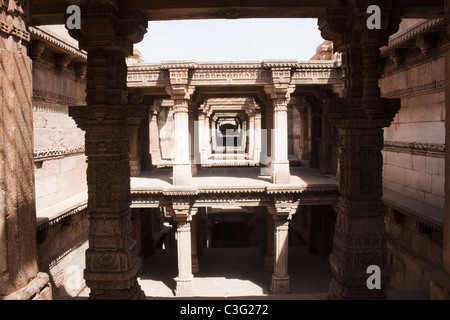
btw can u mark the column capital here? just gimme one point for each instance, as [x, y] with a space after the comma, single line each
[283, 207]
[106, 26]
[348, 24]
[180, 92]
[348, 113]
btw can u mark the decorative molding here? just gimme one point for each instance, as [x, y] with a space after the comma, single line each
[56, 153]
[428, 149]
[44, 35]
[436, 85]
[51, 97]
[411, 33]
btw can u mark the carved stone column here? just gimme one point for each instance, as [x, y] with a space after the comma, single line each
[19, 276]
[182, 214]
[304, 145]
[280, 96]
[268, 258]
[360, 235]
[281, 212]
[194, 241]
[258, 133]
[155, 150]
[133, 129]
[313, 134]
[326, 145]
[112, 261]
[181, 93]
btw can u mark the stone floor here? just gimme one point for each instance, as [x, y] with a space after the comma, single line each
[234, 177]
[238, 273]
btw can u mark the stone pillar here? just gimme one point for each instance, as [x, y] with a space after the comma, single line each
[204, 137]
[251, 135]
[194, 140]
[182, 171]
[155, 150]
[182, 214]
[258, 133]
[360, 116]
[266, 140]
[268, 259]
[280, 157]
[135, 160]
[194, 242]
[19, 276]
[326, 154]
[313, 141]
[112, 261]
[304, 130]
[281, 213]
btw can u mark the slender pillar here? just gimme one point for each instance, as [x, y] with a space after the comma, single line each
[280, 98]
[194, 140]
[258, 134]
[112, 261]
[326, 154]
[194, 242]
[182, 214]
[19, 276]
[304, 145]
[135, 160]
[154, 136]
[182, 171]
[251, 136]
[313, 123]
[281, 213]
[268, 259]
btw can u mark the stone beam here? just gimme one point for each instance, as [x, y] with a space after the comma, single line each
[52, 11]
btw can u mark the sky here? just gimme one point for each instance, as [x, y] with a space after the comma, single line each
[230, 40]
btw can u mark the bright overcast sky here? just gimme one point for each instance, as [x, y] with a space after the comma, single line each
[231, 40]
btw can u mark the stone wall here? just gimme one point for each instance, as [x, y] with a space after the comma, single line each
[60, 163]
[414, 152]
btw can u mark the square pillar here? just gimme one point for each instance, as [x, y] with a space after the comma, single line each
[112, 262]
[280, 161]
[182, 214]
[281, 212]
[194, 241]
[155, 150]
[182, 171]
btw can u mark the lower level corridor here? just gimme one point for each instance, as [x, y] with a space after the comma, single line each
[236, 273]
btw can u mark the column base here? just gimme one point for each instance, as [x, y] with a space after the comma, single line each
[281, 173]
[182, 175]
[184, 287]
[268, 262]
[39, 288]
[352, 285]
[134, 293]
[279, 285]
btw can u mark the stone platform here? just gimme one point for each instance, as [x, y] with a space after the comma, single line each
[249, 185]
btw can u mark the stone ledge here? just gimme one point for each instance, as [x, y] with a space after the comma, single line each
[428, 215]
[61, 210]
